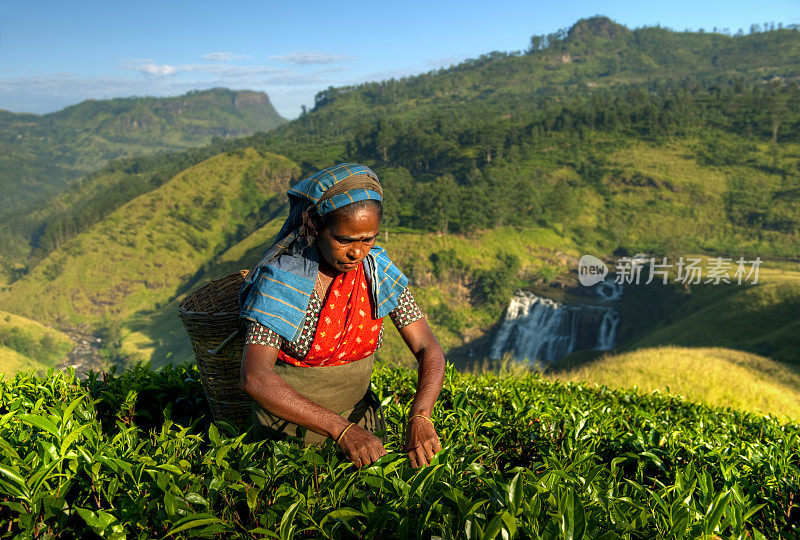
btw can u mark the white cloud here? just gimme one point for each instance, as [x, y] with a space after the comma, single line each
[288, 89]
[222, 71]
[150, 68]
[311, 57]
[224, 56]
[153, 69]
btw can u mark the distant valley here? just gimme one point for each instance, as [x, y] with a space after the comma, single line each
[42, 154]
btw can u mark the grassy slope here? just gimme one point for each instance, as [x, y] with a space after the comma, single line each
[673, 198]
[139, 256]
[715, 376]
[26, 344]
[27, 234]
[158, 335]
[15, 247]
[762, 318]
[663, 196]
[12, 362]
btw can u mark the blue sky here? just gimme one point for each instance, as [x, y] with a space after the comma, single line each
[57, 53]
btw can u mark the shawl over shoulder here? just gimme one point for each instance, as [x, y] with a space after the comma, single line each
[276, 294]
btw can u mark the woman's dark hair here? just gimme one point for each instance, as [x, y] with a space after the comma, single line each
[314, 224]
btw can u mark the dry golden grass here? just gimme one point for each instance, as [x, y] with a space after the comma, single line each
[714, 376]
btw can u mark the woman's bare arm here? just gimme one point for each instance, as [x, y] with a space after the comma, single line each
[259, 381]
[422, 441]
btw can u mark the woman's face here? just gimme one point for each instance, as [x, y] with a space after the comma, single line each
[345, 243]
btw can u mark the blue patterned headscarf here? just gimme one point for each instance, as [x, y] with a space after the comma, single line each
[278, 288]
[325, 191]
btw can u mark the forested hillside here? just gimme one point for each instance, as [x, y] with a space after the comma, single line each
[41, 154]
[692, 127]
[498, 173]
[29, 234]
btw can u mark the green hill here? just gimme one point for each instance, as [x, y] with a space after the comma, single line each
[566, 79]
[41, 154]
[28, 234]
[138, 256]
[13, 361]
[26, 344]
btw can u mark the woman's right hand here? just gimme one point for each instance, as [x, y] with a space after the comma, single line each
[360, 446]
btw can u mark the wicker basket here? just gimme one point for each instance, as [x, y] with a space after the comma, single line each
[211, 318]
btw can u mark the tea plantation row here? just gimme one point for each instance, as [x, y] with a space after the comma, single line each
[133, 455]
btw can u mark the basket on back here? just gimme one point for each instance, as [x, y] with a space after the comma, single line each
[211, 318]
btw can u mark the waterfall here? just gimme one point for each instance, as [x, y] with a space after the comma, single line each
[608, 331]
[537, 328]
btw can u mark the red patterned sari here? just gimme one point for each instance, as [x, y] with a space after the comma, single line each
[346, 331]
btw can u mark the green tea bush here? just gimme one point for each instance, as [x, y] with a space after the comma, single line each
[134, 455]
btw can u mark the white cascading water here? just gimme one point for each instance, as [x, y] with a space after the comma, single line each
[537, 328]
[608, 331]
[609, 291]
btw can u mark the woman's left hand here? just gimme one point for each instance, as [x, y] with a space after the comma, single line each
[422, 441]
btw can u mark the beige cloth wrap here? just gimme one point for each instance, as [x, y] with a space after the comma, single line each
[342, 389]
